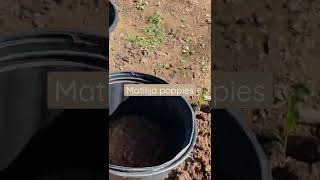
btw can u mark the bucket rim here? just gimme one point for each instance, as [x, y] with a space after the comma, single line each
[64, 53]
[48, 62]
[118, 76]
[51, 31]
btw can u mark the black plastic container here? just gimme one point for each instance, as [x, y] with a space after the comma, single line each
[173, 113]
[113, 16]
[41, 143]
[237, 154]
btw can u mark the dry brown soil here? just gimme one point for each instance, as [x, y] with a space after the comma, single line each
[136, 141]
[178, 69]
[187, 23]
[24, 15]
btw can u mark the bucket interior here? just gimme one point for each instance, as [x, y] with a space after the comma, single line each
[172, 114]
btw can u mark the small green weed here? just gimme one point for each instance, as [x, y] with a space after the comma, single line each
[141, 4]
[154, 31]
[188, 39]
[155, 19]
[204, 92]
[144, 42]
[159, 66]
[152, 36]
[187, 51]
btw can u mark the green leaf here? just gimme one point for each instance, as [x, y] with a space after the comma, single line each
[203, 93]
[279, 144]
[301, 90]
[201, 100]
[273, 136]
[291, 114]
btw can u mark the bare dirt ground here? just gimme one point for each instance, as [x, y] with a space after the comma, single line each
[181, 55]
[280, 37]
[24, 15]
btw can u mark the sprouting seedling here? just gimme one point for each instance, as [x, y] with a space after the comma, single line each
[160, 66]
[187, 51]
[188, 39]
[281, 139]
[204, 92]
[141, 4]
[302, 90]
[155, 19]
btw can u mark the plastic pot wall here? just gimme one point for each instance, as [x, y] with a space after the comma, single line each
[237, 153]
[40, 142]
[174, 114]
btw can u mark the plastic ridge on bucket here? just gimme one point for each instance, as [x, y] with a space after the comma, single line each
[58, 45]
[179, 116]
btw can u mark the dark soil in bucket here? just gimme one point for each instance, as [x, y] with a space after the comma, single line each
[136, 141]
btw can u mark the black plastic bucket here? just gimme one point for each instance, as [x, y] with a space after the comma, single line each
[41, 143]
[237, 154]
[173, 113]
[113, 16]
